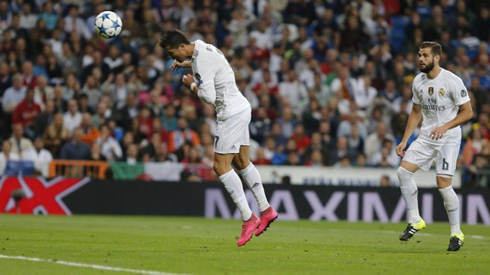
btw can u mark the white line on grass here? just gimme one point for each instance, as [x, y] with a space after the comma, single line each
[102, 267]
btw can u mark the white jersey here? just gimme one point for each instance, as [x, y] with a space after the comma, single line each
[440, 99]
[216, 81]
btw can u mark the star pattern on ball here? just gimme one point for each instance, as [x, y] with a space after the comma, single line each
[105, 16]
[116, 25]
[102, 29]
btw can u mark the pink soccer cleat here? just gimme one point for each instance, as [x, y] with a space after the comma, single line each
[267, 217]
[248, 229]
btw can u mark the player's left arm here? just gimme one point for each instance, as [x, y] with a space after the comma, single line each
[461, 99]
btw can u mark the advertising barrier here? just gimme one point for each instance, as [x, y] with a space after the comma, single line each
[62, 196]
[346, 176]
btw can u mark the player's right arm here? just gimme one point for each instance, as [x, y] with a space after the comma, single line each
[176, 65]
[413, 121]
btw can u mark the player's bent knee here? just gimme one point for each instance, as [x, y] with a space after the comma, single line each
[404, 174]
[443, 182]
[220, 168]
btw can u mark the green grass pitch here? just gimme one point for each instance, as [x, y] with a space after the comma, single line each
[208, 246]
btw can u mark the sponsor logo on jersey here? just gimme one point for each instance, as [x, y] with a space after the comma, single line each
[442, 92]
[433, 107]
[464, 93]
[431, 91]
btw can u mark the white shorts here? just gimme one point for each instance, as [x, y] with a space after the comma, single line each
[232, 133]
[423, 154]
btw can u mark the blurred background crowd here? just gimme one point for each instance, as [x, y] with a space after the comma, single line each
[329, 81]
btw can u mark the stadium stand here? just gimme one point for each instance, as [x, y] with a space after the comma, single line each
[329, 81]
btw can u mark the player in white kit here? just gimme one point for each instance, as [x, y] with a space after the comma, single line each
[438, 95]
[213, 81]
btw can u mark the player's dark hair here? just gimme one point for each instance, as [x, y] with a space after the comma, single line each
[172, 39]
[436, 48]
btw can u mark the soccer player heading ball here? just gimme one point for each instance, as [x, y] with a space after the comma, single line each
[213, 81]
[438, 95]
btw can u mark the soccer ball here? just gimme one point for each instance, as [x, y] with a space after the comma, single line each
[108, 24]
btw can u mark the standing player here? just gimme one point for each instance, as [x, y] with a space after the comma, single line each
[213, 81]
[438, 95]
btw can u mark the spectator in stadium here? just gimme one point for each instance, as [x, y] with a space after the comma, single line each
[152, 146]
[42, 91]
[27, 18]
[72, 118]
[361, 161]
[110, 148]
[73, 23]
[13, 95]
[83, 104]
[102, 115]
[390, 92]
[345, 127]
[473, 146]
[92, 90]
[316, 159]
[478, 179]
[293, 90]
[375, 141]
[131, 154]
[182, 134]
[90, 133]
[55, 135]
[260, 126]
[95, 153]
[311, 116]
[42, 121]
[301, 139]
[75, 149]
[29, 79]
[208, 117]
[37, 153]
[287, 122]
[356, 141]
[342, 151]
[60, 104]
[18, 142]
[7, 155]
[125, 115]
[162, 154]
[293, 159]
[26, 112]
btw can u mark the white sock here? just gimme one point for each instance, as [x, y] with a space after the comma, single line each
[451, 203]
[254, 183]
[409, 192]
[233, 185]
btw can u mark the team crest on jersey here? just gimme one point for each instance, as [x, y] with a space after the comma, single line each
[464, 93]
[431, 91]
[441, 92]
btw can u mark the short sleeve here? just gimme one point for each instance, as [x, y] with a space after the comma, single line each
[415, 98]
[459, 92]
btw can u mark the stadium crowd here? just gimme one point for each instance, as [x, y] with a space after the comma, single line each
[329, 81]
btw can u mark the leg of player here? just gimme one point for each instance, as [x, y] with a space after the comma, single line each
[410, 193]
[233, 185]
[254, 182]
[451, 203]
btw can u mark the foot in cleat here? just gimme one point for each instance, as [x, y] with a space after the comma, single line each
[455, 242]
[248, 229]
[267, 217]
[411, 230]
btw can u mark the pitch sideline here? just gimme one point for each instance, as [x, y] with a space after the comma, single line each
[93, 266]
